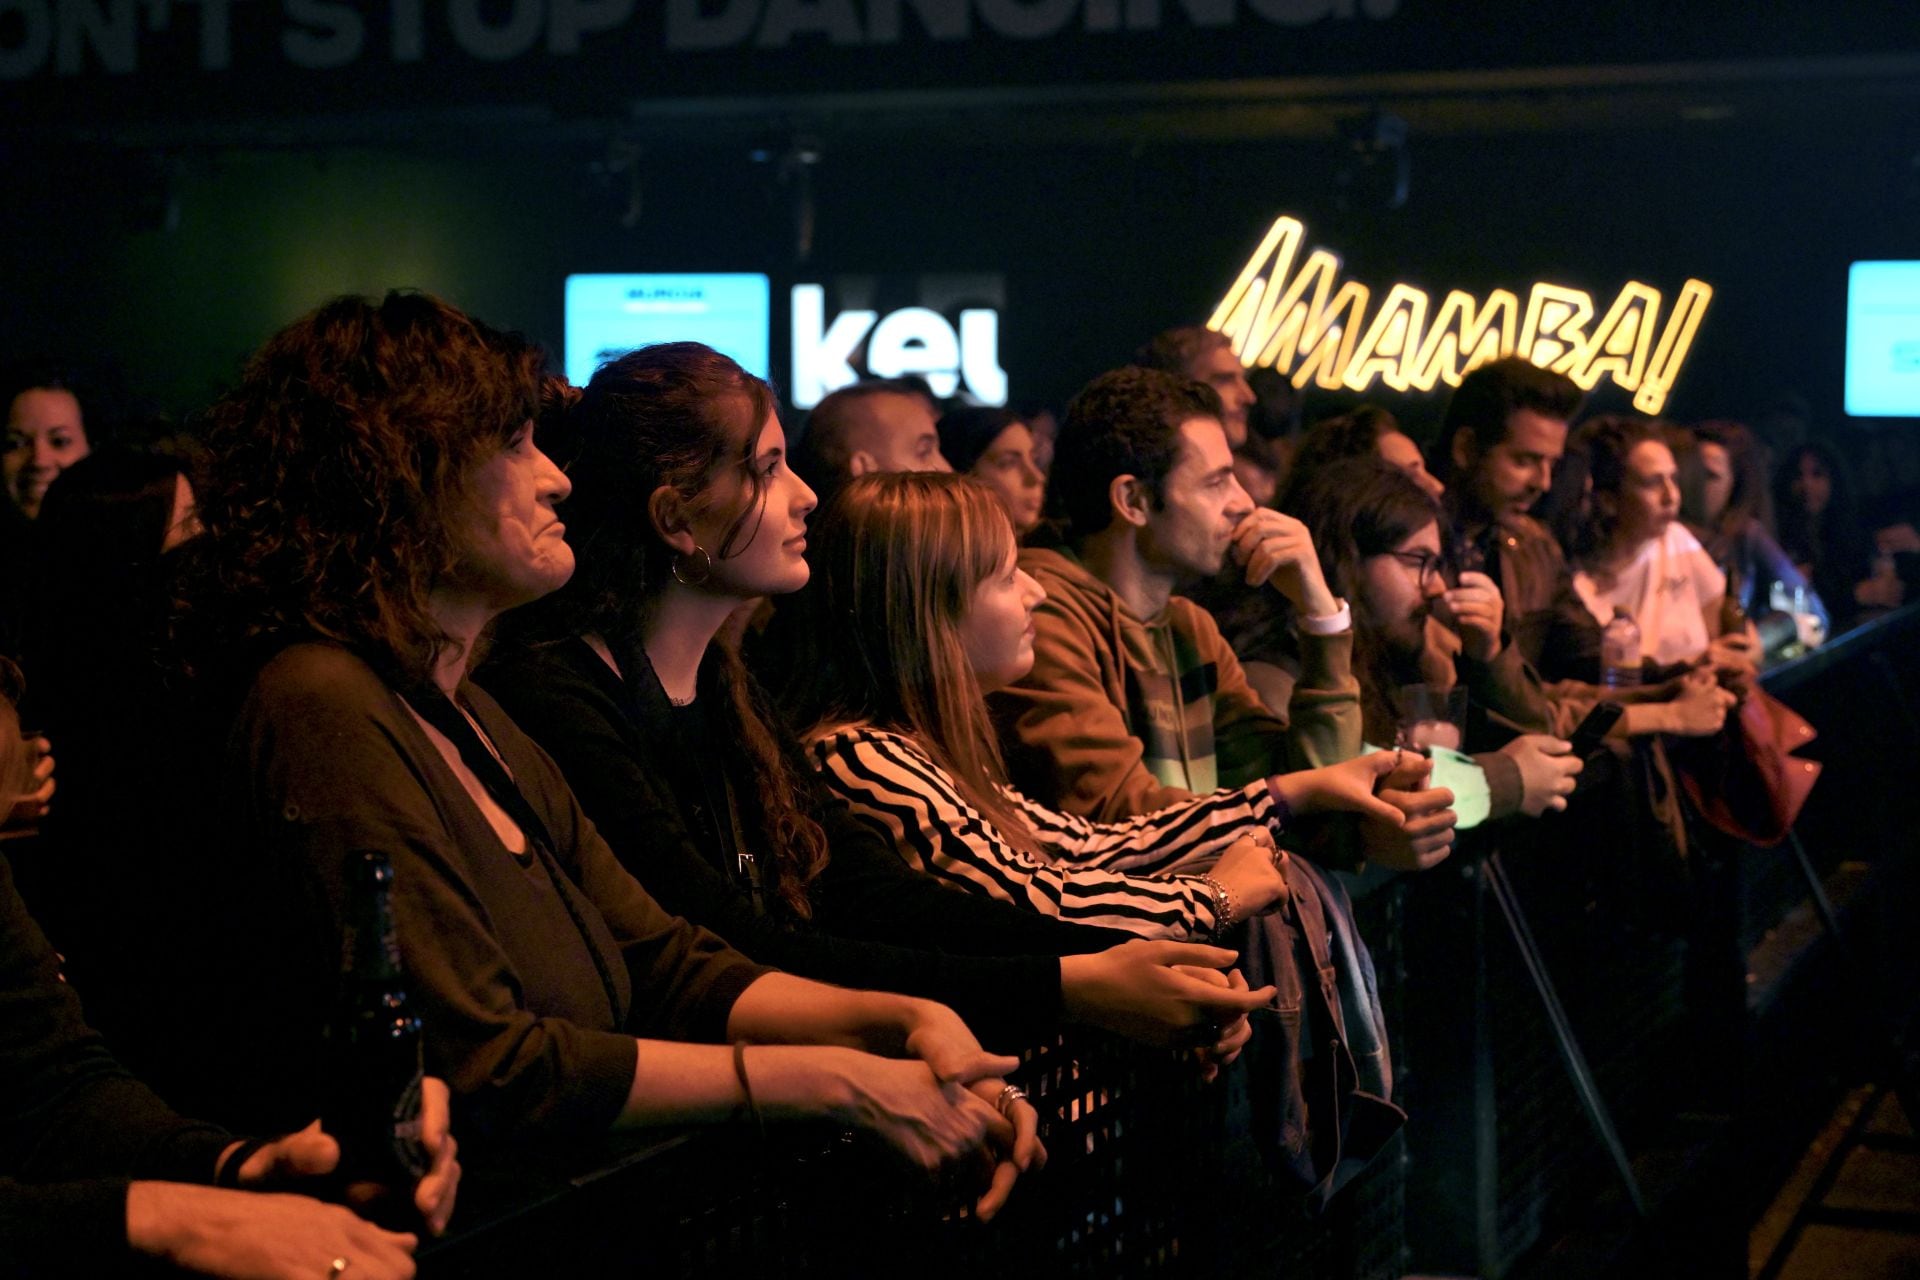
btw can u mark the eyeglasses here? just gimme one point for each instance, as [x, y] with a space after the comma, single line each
[1424, 564]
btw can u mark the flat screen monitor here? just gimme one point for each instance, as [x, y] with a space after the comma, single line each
[609, 315]
[1883, 340]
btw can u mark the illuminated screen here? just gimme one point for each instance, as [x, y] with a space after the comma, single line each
[609, 315]
[1883, 340]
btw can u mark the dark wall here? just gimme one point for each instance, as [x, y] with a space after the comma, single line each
[179, 268]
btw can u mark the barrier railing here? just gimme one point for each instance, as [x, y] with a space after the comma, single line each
[1152, 1172]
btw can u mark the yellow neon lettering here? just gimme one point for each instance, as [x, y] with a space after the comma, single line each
[1555, 331]
[1464, 335]
[1285, 317]
[1387, 349]
[1283, 228]
[1620, 343]
[1675, 341]
[1313, 327]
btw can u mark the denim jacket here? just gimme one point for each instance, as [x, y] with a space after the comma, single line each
[1320, 1073]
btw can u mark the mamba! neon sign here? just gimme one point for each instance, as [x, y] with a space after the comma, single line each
[1312, 326]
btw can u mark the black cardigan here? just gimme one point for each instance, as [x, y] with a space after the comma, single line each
[75, 1128]
[876, 922]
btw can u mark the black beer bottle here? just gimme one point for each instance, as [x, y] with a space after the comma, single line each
[372, 1090]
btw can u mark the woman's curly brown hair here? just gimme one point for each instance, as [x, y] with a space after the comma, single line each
[338, 469]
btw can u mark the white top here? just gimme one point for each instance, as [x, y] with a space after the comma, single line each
[1666, 587]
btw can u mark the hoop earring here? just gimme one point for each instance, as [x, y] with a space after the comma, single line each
[691, 572]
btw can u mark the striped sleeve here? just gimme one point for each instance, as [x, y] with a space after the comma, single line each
[893, 787]
[1189, 835]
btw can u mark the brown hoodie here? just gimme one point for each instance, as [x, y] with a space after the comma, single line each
[1122, 715]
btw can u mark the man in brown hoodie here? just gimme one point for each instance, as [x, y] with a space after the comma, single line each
[1135, 701]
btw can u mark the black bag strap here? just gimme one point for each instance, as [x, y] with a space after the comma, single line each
[440, 711]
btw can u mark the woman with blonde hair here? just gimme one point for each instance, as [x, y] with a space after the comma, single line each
[922, 611]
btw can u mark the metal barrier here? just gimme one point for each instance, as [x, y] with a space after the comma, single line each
[1549, 997]
[1150, 1172]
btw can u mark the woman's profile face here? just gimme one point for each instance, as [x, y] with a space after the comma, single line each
[1009, 468]
[1399, 449]
[45, 436]
[512, 548]
[183, 518]
[1649, 499]
[1398, 588]
[768, 556]
[1716, 485]
[997, 631]
[1812, 486]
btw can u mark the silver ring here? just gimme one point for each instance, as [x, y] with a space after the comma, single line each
[337, 1266]
[1009, 1094]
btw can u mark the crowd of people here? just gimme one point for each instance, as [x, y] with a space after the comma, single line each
[731, 779]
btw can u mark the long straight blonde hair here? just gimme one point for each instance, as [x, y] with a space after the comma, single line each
[897, 559]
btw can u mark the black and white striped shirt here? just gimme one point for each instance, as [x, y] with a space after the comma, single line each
[1140, 874]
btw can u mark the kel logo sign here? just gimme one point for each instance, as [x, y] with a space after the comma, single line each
[919, 340]
[1299, 317]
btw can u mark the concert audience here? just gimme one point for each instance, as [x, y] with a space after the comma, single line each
[1134, 700]
[879, 425]
[1724, 497]
[97, 1173]
[1820, 529]
[922, 576]
[1378, 533]
[1020, 770]
[96, 645]
[998, 449]
[1368, 430]
[559, 999]
[1633, 552]
[1504, 430]
[698, 786]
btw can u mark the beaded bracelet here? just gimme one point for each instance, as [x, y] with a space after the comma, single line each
[1222, 906]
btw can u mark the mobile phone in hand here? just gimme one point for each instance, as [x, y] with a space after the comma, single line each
[1598, 722]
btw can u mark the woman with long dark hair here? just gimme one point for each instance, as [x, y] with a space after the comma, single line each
[376, 498]
[997, 448]
[1814, 504]
[684, 508]
[96, 648]
[1725, 500]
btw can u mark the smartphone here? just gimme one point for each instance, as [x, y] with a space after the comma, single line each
[1586, 738]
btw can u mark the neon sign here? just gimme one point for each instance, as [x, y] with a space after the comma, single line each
[1312, 326]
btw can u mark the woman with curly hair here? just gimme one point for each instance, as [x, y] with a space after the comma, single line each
[376, 498]
[683, 508]
[1632, 552]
